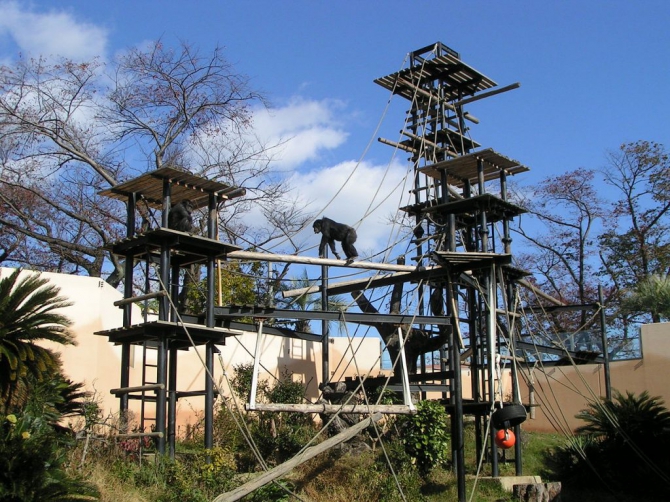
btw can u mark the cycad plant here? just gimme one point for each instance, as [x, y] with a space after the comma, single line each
[626, 419]
[35, 395]
[28, 315]
[625, 438]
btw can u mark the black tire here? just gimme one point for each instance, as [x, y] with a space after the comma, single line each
[508, 416]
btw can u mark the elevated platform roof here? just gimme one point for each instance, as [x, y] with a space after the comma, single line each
[466, 167]
[466, 261]
[184, 185]
[457, 78]
[175, 333]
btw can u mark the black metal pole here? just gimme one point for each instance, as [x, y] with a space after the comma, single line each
[603, 332]
[209, 356]
[325, 344]
[172, 401]
[457, 417]
[161, 394]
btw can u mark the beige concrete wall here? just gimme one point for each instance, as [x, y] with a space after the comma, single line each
[561, 392]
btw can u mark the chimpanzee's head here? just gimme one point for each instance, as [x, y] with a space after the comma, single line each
[317, 226]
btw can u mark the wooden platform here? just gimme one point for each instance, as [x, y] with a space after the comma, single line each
[465, 169]
[184, 185]
[185, 249]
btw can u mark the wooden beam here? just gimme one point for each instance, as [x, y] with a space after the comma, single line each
[299, 459]
[308, 260]
[541, 294]
[141, 298]
[465, 101]
[331, 409]
[126, 390]
[371, 282]
[400, 146]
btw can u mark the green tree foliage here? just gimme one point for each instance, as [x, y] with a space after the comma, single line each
[309, 301]
[233, 284]
[278, 436]
[28, 315]
[32, 461]
[35, 395]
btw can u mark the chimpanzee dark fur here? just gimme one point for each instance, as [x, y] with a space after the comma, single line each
[332, 231]
[180, 217]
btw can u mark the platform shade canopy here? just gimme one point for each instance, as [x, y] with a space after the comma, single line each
[466, 167]
[458, 79]
[184, 185]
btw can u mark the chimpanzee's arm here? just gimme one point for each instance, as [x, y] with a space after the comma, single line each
[331, 242]
[328, 237]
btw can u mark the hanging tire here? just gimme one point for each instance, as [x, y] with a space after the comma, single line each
[508, 416]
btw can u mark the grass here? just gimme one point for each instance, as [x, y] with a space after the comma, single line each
[332, 478]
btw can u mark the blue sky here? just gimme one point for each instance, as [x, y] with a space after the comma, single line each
[593, 74]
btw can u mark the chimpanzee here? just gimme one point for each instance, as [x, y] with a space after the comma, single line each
[332, 231]
[180, 217]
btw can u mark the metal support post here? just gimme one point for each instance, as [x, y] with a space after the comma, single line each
[172, 402]
[161, 399]
[606, 356]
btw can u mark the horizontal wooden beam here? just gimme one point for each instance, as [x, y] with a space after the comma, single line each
[140, 435]
[465, 101]
[126, 390]
[331, 409]
[308, 260]
[141, 298]
[259, 312]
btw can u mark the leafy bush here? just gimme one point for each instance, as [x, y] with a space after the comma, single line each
[623, 439]
[278, 436]
[32, 458]
[426, 436]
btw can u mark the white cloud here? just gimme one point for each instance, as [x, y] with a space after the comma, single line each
[306, 129]
[51, 33]
[361, 191]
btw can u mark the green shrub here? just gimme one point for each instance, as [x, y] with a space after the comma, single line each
[426, 436]
[277, 435]
[32, 457]
[624, 438]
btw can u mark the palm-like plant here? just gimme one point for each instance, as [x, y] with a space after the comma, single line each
[628, 436]
[651, 296]
[28, 315]
[311, 301]
[641, 419]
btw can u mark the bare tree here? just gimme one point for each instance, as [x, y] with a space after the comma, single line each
[636, 245]
[70, 129]
[567, 213]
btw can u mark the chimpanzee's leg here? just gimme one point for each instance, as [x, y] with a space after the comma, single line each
[348, 245]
